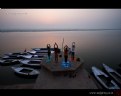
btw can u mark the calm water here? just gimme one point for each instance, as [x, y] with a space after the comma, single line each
[95, 47]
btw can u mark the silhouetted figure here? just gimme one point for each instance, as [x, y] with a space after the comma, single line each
[56, 52]
[73, 51]
[49, 51]
[66, 53]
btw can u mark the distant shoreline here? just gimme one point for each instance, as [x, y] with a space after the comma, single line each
[19, 30]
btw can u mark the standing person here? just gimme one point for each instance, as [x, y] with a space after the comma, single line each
[73, 50]
[66, 53]
[49, 51]
[69, 50]
[56, 52]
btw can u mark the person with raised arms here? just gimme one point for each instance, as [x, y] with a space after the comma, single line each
[56, 52]
[49, 51]
[73, 51]
[66, 53]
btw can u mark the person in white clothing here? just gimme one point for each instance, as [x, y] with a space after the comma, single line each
[73, 51]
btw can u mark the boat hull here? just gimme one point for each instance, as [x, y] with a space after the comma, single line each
[114, 74]
[102, 79]
[25, 72]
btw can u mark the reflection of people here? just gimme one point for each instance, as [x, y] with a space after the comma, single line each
[73, 51]
[56, 52]
[66, 53]
[49, 51]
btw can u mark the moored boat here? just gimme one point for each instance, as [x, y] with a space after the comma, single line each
[32, 56]
[8, 62]
[17, 53]
[103, 78]
[39, 52]
[12, 57]
[113, 73]
[38, 49]
[32, 63]
[25, 71]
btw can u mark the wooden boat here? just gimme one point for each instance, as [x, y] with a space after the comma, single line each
[9, 57]
[44, 50]
[32, 63]
[103, 79]
[33, 57]
[32, 52]
[12, 57]
[17, 53]
[38, 56]
[26, 56]
[113, 73]
[39, 52]
[24, 71]
[38, 49]
[9, 62]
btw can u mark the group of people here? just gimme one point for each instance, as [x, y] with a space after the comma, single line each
[66, 51]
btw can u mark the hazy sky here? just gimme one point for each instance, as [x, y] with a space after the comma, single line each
[60, 18]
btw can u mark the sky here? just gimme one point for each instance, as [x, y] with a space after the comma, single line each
[60, 18]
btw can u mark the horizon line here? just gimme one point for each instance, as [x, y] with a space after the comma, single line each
[26, 30]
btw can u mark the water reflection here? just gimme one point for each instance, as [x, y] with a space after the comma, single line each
[94, 47]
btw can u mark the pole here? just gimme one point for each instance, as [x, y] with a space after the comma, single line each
[62, 47]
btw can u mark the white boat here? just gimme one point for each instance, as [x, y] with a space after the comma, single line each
[9, 57]
[26, 56]
[39, 56]
[4, 62]
[103, 77]
[38, 49]
[25, 71]
[43, 50]
[32, 52]
[114, 74]
[12, 57]
[39, 52]
[17, 53]
[32, 63]
[32, 56]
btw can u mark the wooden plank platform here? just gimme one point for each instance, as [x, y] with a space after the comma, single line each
[47, 80]
[57, 66]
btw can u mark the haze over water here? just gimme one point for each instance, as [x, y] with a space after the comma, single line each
[95, 47]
